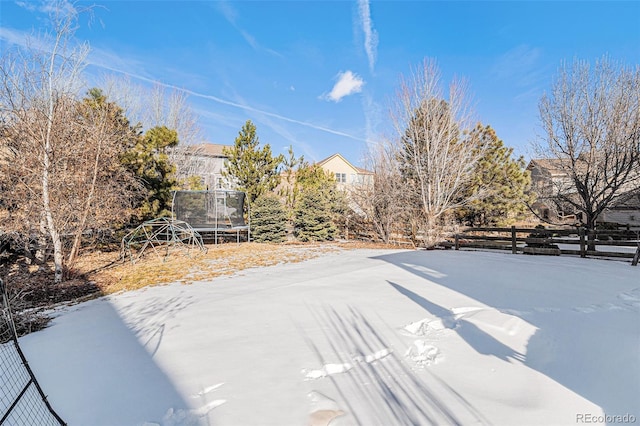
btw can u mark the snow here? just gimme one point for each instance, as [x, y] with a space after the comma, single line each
[374, 337]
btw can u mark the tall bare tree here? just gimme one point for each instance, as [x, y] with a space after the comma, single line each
[60, 155]
[591, 122]
[33, 84]
[436, 158]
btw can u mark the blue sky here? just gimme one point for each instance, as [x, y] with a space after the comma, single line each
[319, 75]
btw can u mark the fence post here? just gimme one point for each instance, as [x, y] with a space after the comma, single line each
[582, 243]
[457, 242]
[514, 247]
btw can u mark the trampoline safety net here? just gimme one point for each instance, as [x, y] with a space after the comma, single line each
[210, 210]
[22, 401]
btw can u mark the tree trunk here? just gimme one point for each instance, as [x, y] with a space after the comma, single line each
[58, 258]
[77, 240]
[591, 232]
[41, 248]
[431, 232]
[51, 226]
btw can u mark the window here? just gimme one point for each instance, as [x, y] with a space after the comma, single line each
[341, 177]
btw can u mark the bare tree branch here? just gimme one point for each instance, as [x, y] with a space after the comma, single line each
[591, 121]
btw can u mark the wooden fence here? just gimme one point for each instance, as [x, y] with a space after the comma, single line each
[580, 242]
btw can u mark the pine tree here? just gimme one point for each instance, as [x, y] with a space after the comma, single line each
[269, 220]
[313, 217]
[501, 181]
[148, 159]
[318, 204]
[254, 170]
[290, 188]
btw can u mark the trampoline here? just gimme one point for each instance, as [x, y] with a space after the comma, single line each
[217, 212]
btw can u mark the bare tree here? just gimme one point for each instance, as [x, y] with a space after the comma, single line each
[435, 156]
[60, 156]
[159, 106]
[380, 200]
[591, 122]
[32, 83]
[104, 191]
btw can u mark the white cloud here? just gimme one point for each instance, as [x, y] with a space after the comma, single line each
[31, 7]
[370, 35]
[348, 83]
[46, 6]
[15, 37]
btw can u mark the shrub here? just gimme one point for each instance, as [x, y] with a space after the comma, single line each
[268, 220]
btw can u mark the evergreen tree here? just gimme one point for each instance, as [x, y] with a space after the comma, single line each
[290, 188]
[501, 181]
[254, 170]
[313, 217]
[192, 183]
[312, 176]
[148, 159]
[318, 204]
[269, 220]
[315, 178]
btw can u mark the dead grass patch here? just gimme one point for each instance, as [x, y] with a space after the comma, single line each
[98, 273]
[219, 260]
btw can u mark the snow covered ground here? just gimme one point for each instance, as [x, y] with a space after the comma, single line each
[371, 337]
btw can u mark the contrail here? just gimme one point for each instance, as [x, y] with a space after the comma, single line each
[19, 39]
[230, 103]
[370, 35]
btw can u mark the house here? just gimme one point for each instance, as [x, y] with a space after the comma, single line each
[205, 160]
[550, 177]
[626, 212]
[346, 174]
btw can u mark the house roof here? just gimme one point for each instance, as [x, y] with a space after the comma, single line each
[208, 149]
[338, 155]
[628, 200]
[364, 171]
[554, 166]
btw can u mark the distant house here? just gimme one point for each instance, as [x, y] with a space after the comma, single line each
[207, 161]
[346, 174]
[550, 178]
[625, 212]
[204, 160]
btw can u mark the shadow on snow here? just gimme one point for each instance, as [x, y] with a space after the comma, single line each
[587, 345]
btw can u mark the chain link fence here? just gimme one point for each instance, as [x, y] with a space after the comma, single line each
[22, 401]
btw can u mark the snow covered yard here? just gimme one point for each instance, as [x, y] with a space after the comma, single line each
[387, 337]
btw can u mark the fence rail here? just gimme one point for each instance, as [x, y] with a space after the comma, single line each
[554, 241]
